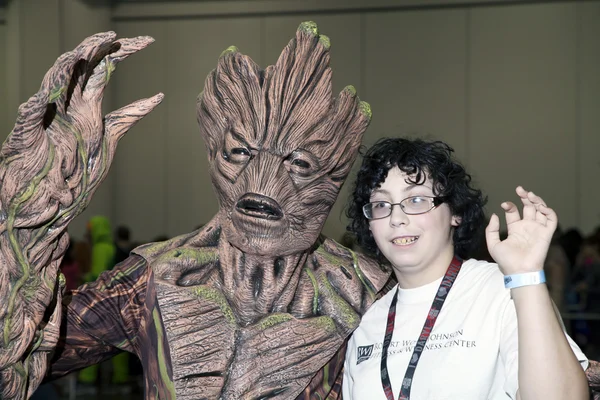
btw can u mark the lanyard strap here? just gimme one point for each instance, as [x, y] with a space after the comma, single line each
[434, 311]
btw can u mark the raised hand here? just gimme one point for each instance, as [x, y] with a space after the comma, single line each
[50, 165]
[525, 248]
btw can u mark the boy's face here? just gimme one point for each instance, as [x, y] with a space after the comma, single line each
[411, 242]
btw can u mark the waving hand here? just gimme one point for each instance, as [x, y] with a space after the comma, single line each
[50, 165]
[525, 248]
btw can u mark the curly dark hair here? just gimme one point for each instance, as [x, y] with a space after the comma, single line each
[419, 159]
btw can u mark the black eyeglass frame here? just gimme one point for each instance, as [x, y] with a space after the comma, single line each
[437, 200]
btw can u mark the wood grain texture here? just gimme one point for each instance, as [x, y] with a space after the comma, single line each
[50, 165]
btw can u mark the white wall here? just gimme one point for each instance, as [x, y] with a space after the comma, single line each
[588, 114]
[514, 89]
[522, 104]
[34, 34]
[5, 125]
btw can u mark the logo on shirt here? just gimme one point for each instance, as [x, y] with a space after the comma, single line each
[364, 353]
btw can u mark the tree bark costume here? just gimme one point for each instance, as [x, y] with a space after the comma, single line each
[254, 305]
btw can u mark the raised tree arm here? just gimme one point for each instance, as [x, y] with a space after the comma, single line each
[52, 162]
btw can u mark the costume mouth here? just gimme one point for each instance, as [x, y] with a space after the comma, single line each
[259, 206]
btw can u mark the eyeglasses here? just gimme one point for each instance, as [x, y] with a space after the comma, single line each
[413, 205]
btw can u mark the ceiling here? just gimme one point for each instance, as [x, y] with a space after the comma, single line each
[3, 3]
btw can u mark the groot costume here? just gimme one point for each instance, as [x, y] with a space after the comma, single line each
[254, 305]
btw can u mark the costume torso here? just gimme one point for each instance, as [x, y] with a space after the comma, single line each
[215, 345]
[188, 333]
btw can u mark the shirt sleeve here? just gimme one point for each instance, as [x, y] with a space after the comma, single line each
[102, 318]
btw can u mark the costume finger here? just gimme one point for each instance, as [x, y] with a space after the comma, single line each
[528, 207]
[511, 212]
[105, 63]
[130, 46]
[63, 77]
[119, 121]
[492, 232]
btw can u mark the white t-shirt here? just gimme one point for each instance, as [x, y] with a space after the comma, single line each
[471, 354]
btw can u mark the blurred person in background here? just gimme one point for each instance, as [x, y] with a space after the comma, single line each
[348, 240]
[571, 242]
[557, 270]
[103, 257]
[123, 243]
[71, 268]
[586, 292]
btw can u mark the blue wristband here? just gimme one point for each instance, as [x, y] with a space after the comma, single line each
[526, 279]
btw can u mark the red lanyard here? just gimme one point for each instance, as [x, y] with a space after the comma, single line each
[434, 311]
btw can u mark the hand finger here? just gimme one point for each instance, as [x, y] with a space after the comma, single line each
[492, 232]
[541, 218]
[511, 212]
[551, 217]
[528, 207]
[538, 202]
[535, 199]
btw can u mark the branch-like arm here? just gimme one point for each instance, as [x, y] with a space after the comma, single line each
[102, 318]
[50, 165]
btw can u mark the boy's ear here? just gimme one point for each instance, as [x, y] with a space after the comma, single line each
[456, 220]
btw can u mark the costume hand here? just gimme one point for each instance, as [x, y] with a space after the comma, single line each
[525, 248]
[50, 165]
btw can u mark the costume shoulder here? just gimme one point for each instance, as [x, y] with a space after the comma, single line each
[593, 375]
[343, 265]
[184, 260]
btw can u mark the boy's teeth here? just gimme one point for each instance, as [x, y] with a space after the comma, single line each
[405, 240]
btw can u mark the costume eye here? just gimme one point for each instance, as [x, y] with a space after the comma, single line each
[302, 163]
[237, 155]
[240, 151]
[235, 150]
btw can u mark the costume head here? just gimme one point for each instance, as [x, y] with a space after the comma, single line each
[279, 146]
